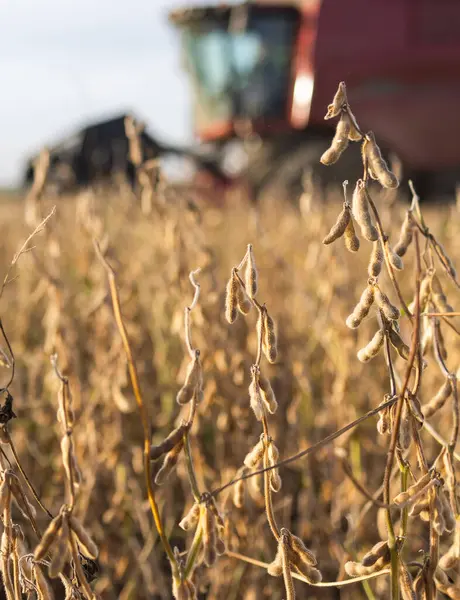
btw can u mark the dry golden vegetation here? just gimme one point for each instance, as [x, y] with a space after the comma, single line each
[89, 466]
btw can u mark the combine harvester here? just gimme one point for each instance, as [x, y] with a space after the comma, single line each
[262, 73]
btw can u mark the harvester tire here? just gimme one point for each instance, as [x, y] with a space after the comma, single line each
[287, 175]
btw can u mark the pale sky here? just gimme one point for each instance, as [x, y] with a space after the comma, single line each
[66, 62]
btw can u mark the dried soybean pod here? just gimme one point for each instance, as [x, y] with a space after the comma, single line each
[44, 591]
[220, 546]
[371, 173]
[209, 537]
[339, 142]
[193, 379]
[425, 289]
[243, 301]
[238, 494]
[395, 260]
[383, 424]
[397, 342]
[389, 310]
[362, 213]
[169, 442]
[338, 102]
[438, 296]
[273, 456]
[373, 347]
[427, 339]
[441, 576]
[415, 408]
[312, 574]
[60, 552]
[352, 321]
[253, 458]
[184, 395]
[268, 396]
[299, 547]
[425, 515]
[302, 561]
[48, 537]
[447, 512]
[452, 591]
[419, 586]
[255, 397]
[356, 569]
[260, 328]
[377, 163]
[376, 261]
[213, 506]
[419, 506]
[275, 568]
[406, 583]
[5, 492]
[425, 292]
[439, 337]
[414, 492]
[379, 550]
[449, 469]
[85, 542]
[354, 135]
[405, 430]
[406, 235]
[191, 518]
[275, 480]
[362, 309]
[273, 453]
[251, 274]
[351, 240]
[448, 560]
[439, 400]
[67, 456]
[338, 229]
[231, 299]
[169, 462]
[438, 521]
[269, 346]
[285, 556]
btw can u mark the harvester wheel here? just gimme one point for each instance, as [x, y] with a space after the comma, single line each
[287, 175]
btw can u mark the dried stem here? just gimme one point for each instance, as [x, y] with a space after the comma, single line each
[384, 241]
[24, 474]
[24, 248]
[68, 429]
[141, 406]
[79, 570]
[322, 584]
[396, 427]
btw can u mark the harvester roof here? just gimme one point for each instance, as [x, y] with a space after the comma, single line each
[188, 15]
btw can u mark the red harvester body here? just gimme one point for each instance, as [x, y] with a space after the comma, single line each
[266, 71]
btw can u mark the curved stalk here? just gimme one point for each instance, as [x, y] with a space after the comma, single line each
[142, 409]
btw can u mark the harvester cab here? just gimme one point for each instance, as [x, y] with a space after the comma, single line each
[246, 79]
[240, 61]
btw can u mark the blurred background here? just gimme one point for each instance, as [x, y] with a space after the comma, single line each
[238, 89]
[68, 63]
